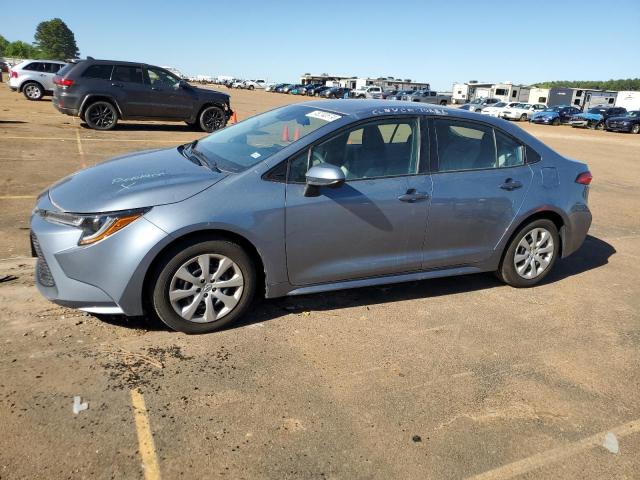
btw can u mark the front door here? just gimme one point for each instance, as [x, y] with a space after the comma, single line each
[481, 184]
[169, 99]
[372, 225]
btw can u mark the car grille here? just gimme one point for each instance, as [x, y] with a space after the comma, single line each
[43, 273]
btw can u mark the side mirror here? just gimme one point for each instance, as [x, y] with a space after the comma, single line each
[325, 175]
[183, 84]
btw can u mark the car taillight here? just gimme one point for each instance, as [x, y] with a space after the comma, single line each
[63, 82]
[13, 74]
[584, 178]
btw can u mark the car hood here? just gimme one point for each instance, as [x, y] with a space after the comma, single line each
[206, 92]
[546, 114]
[621, 118]
[137, 180]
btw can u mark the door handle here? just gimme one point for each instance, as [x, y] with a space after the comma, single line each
[511, 184]
[119, 85]
[412, 196]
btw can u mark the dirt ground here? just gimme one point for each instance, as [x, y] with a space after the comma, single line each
[449, 378]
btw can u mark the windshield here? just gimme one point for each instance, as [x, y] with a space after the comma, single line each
[500, 104]
[241, 146]
[634, 113]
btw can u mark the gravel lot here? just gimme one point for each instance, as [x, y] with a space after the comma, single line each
[448, 378]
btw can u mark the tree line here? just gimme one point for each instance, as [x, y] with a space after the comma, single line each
[54, 40]
[618, 85]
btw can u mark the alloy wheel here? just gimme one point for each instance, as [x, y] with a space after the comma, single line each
[212, 119]
[101, 116]
[534, 253]
[206, 288]
[32, 91]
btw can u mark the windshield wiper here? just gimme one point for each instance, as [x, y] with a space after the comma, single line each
[201, 157]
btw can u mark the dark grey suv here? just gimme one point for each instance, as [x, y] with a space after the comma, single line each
[102, 91]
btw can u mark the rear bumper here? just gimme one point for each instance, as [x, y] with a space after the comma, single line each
[63, 109]
[578, 227]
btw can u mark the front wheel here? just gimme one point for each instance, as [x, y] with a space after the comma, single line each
[203, 286]
[523, 117]
[443, 103]
[211, 119]
[251, 87]
[600, 126]
[635, 128]
[101, 116]
[33, 91]
[556, 122]
[531, 254]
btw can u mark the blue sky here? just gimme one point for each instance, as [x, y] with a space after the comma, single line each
[432, 41]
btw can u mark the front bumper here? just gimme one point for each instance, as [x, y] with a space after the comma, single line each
[616, 127]
[580, 123]
[544, 121]
[106, 277]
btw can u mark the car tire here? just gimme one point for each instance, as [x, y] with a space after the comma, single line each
[251, 87]
[101, 115]
[443, 103]
[636, 128]
[556, 122]
[211, 118]
[599, 126]
[530, 255]
[523, 117]
[168, 294]
[33, 91]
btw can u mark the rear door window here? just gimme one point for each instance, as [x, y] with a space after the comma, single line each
[128, 74]
[53, 67]
[464, 146]
[98, 71]
[35, 67]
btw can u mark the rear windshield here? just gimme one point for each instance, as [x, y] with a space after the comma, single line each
[67, 68]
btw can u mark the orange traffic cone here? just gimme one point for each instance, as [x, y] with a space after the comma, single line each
[285, 133]
[234, 118]
[296, 134]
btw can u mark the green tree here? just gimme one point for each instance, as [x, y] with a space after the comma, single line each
[20, 49]
[3, 45]
[55, 40]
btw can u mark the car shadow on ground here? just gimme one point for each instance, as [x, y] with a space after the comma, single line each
[594, 253]
[146, 127]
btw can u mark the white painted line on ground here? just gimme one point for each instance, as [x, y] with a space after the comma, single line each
[70, 139]
[542, 459]
[16, 197]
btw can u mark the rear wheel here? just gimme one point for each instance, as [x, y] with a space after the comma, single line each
[531, 254]
[203, 286]
[599, 126]
[443, 103]
[211, 119]
[33, 91]
[251, 87]
[101, 116]
[523, 117]
[556, 122]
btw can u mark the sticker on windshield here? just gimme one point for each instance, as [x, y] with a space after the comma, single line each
[255, 155]
[326, 116]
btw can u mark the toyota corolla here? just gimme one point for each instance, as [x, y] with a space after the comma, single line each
[307, 198]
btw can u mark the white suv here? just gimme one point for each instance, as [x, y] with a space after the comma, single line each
[34, 78]
[366, 91]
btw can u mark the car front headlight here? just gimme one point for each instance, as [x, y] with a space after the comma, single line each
[94, 227]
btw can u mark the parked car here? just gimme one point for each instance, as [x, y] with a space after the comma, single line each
[400, 94]
[478, 104]
[555, 115]
[254, 84]
[298, 90]
[315, 92]
[101, 92]
[288, 88]
[336, 92]
[365, 91]
[428, 96]
[522, 111]
[306, 88]
[595, 117]
[139, 234]
[34, 78]
[4, 67]
[238, 84]
[624, 123]
[281, 88]
[385, 94]
[496, 109]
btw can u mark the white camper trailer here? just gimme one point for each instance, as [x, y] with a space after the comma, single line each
[629, 100]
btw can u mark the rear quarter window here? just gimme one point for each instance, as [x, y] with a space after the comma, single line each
[98, 71]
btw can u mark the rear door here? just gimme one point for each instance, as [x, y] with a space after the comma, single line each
[49, 71]
[128, 87]
[371, 225]
[169, 100]
[479, 184]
